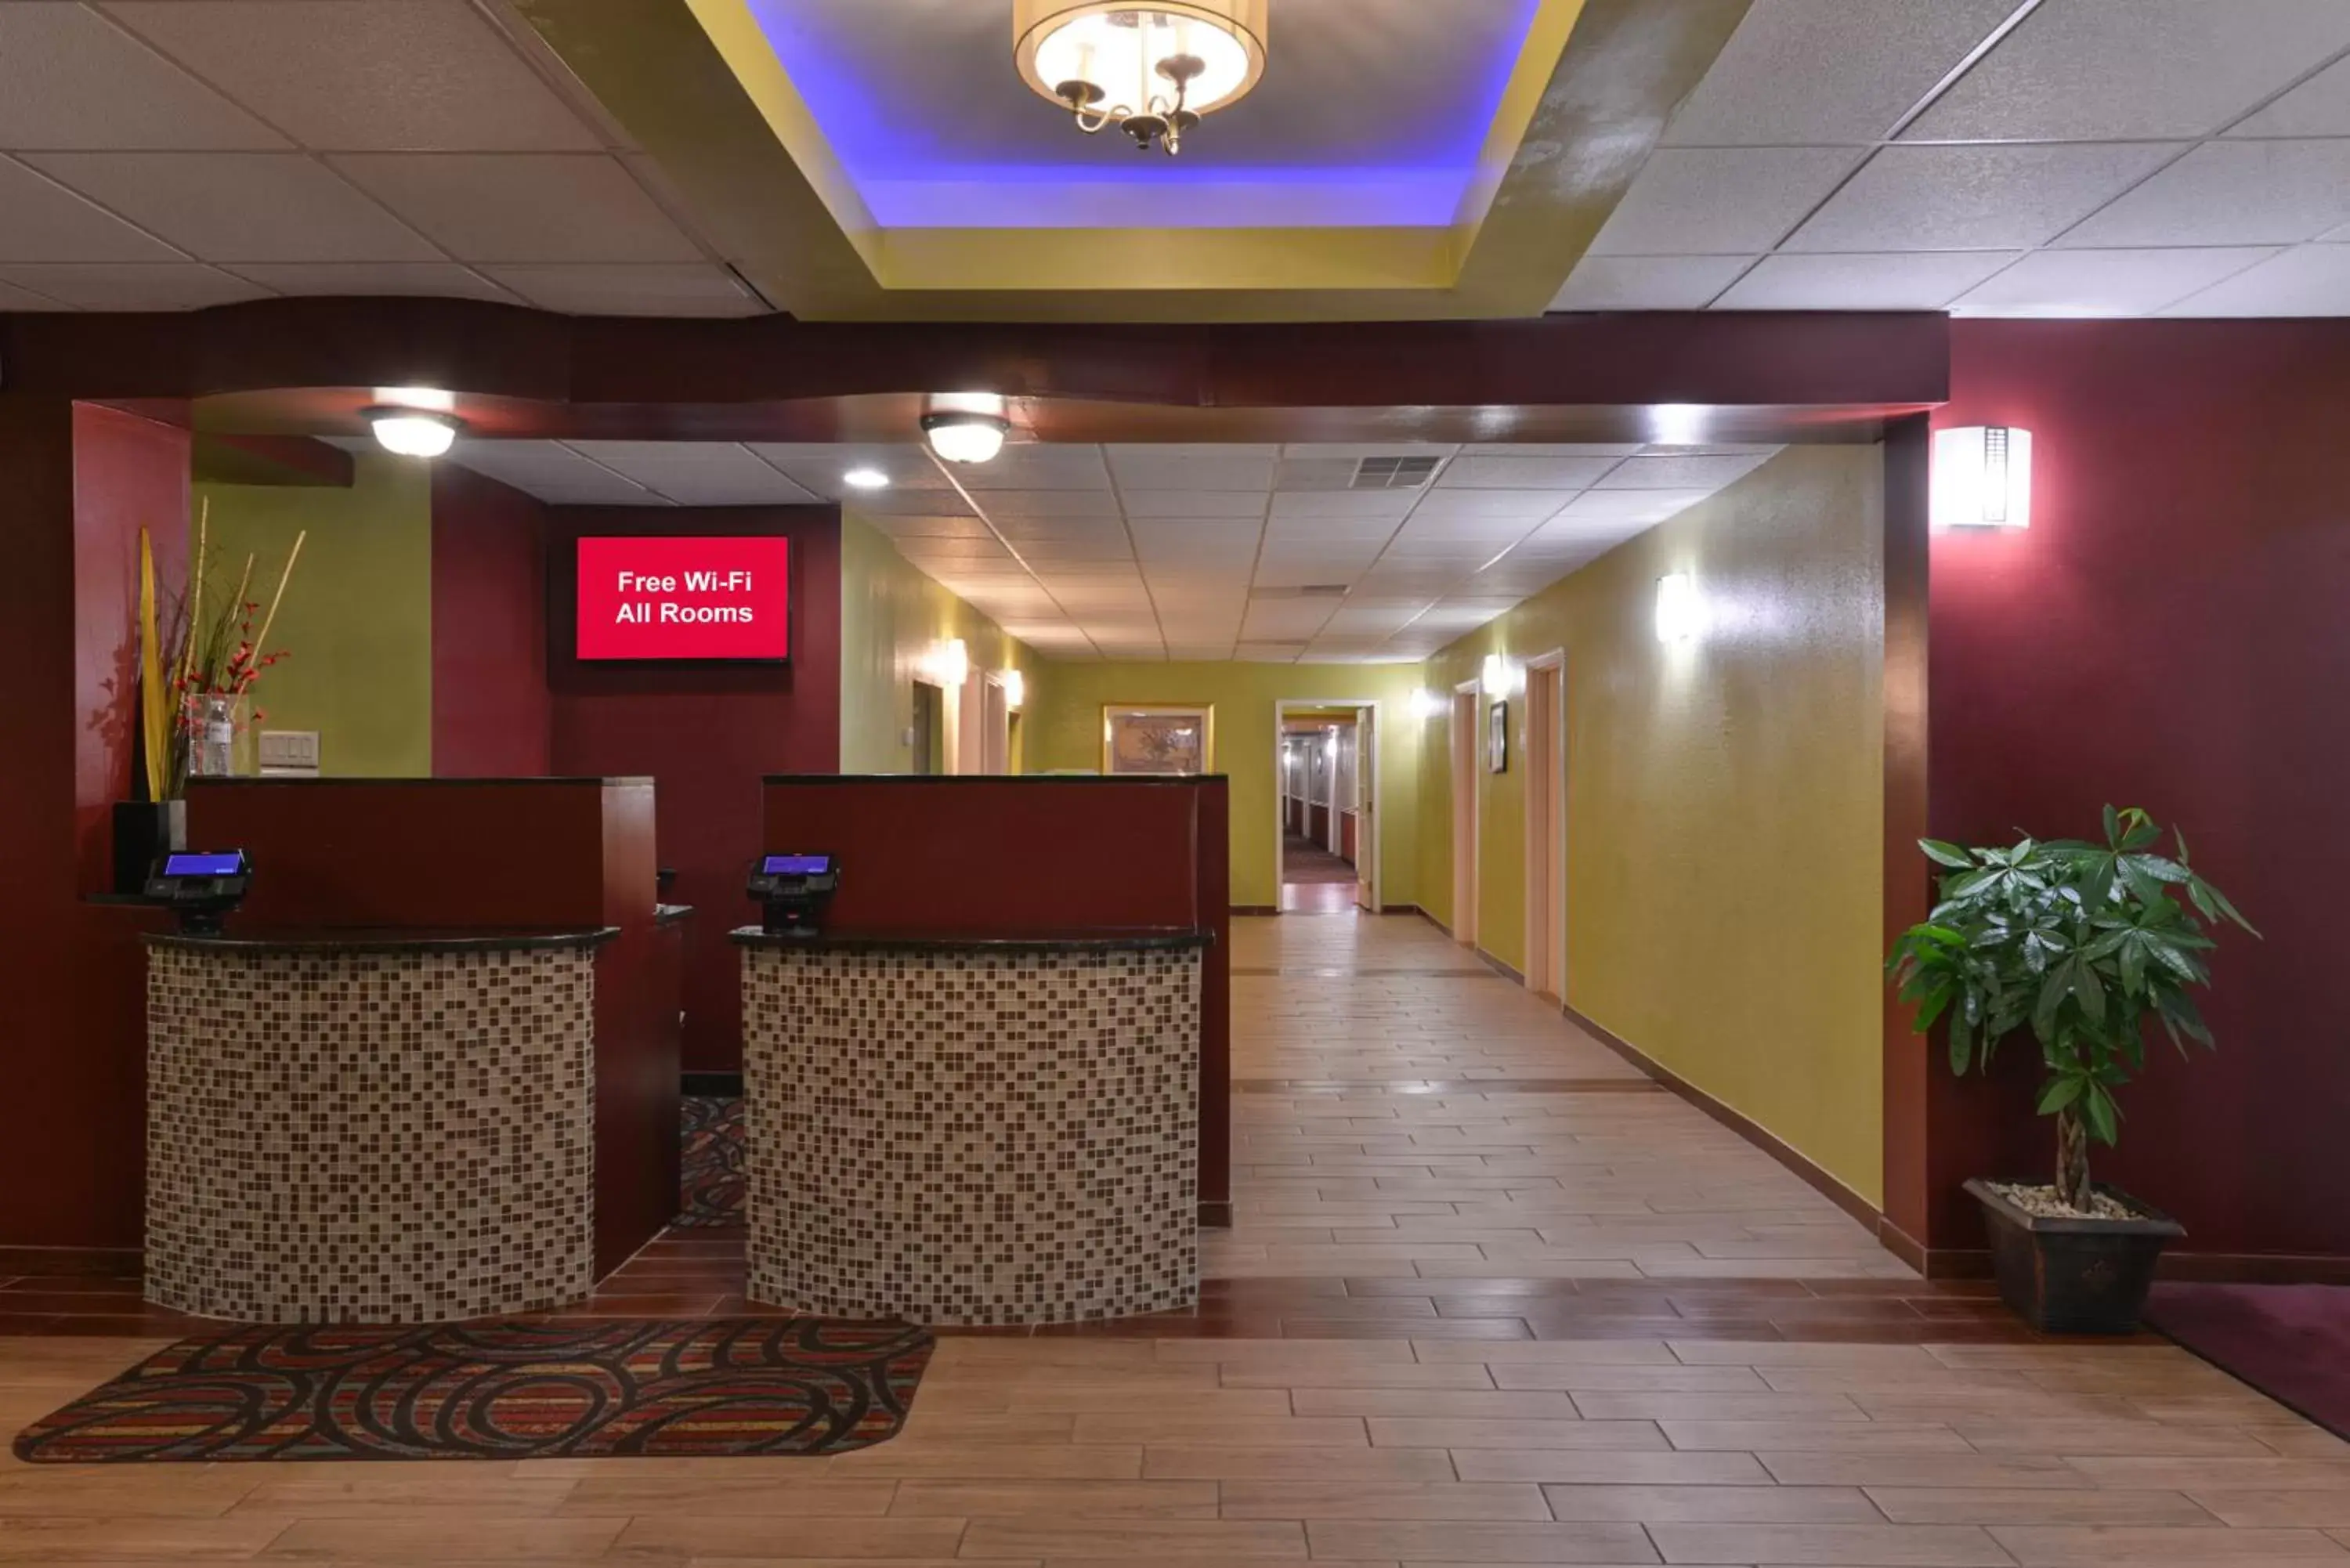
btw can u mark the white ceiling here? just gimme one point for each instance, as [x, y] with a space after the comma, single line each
[1999, 158]
[171, 154]
[1187, 552]
[1991, 157]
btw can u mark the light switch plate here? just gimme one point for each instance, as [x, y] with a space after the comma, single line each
[290, 751]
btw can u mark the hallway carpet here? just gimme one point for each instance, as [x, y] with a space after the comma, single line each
[2291, 1342]
[1302, 860]
[1488, 1300]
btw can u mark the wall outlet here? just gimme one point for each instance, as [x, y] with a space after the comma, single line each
[290, 752]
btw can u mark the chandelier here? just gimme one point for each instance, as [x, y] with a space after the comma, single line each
[1151, 69]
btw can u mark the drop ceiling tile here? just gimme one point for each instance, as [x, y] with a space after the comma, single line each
[2092, 70]
[822, 473]
[392, 75]
[1039, 465]
[71, 80]
[1974, 198]
[1827, 72]
[659, 289]
[1045, 553]
[1041, 528]
[1361, 505]
[2231, 193]
[1194, 468]
[359, 279]
[1703, 475]
[876, 505]
[2308, 280]
[1479, 471]
[1305, 574]
[1646, 283]
[1097, 505]
[2105, 283]
[1914, 280]
[46, 223]
[2318, 106]
[131, 285]
[1452, 505]
[550, 472]
[1720, 200]
[1629, 505]
[240, 206]
[523, 207]
[1268, 652]
[1194, 503]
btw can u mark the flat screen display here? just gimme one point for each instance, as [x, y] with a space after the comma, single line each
[796, 865]
[718, 597]
[204, 864]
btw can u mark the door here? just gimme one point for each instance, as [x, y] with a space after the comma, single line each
[1466, 733]
[996, 720]
[930, 724]
[1366, 801]
[1545, 832]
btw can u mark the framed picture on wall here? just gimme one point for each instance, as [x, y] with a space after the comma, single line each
[1497, 736]
[1158, 738]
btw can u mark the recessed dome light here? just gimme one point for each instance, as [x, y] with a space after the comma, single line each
[413, 433]
[865, 479]
[966, 437]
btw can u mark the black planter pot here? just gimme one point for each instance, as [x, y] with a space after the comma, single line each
[144, 830]
[2074, 1276]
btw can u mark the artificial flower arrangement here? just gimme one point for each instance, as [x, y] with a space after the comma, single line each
[197, 669]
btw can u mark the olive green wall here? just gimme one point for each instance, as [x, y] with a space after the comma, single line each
[1724, 801]
[357, 620]
[891, 616]
[1066, 732]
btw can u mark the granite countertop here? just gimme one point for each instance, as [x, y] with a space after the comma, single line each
[1141, 938]
[363, 940]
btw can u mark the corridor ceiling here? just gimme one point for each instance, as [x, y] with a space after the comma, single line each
[1316, 553]
[879, 158]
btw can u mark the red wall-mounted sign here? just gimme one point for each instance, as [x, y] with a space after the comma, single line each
[678, 598]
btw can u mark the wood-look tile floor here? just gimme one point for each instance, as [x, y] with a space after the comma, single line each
[1550, 1317]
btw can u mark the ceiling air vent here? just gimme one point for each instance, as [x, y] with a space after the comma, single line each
[1393, 472]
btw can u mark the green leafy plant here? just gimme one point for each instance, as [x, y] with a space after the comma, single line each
[2083, 943]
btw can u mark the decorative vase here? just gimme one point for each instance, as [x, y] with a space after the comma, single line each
[144, 832]
[2064, 1274]
[221, 741]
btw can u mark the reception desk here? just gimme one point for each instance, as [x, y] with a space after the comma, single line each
[375, 1127]
[429, 1069]
[973, 1130]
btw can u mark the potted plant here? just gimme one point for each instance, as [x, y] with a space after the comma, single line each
[2086, 945]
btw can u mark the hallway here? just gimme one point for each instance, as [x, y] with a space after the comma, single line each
[1312, 880]
[1491, 1297]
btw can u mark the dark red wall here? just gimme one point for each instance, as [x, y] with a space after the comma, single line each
[492, 717]
[707, 736]
[2172, 632]
[80, 484]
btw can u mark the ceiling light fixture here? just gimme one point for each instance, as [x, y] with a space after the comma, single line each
[966, 438]
[1151, 69]
[411, 432]
[865, 479]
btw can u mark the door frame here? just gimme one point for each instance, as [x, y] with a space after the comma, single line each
[995, 722]
[1546, 833]
[1468, 817]
[1371, 706]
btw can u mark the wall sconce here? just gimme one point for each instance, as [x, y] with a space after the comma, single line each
[947, 664]
[1982, 477]
[1015, 689]
[1498, 676]
[1426, 704]
[1680, 615]
[966, 427]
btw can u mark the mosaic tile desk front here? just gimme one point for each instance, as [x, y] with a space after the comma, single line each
[963, 1135]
